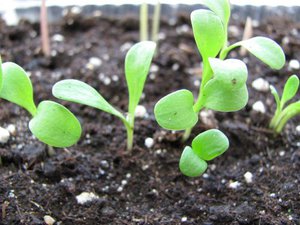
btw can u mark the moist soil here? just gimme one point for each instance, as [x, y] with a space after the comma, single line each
[145, 186]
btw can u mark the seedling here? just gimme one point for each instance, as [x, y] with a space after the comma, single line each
[205, 147]
[223, 87]
[137, 64]
[51, 122]
[284, 114]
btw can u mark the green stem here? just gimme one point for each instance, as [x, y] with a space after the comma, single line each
[224, 52]
[186, 134]
[129, 138]
[129, 125]
[206, 75]
[144, 22]
[0, 161]
[155, 22]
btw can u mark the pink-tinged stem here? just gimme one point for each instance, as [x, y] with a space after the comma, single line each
[44, 29]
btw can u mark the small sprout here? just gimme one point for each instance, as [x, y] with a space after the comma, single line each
[205, 147]
[223, 87]
[284, 114]
[137, 64]
[51, 122]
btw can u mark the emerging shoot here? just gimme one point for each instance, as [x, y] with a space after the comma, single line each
[137, 65]
[284, 113]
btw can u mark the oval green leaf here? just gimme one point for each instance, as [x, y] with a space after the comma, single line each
[210, 144]
[17, 87]
[208, 31]
[221, 8]
[290, 89]
[82, 93]
[175, 111]
[190, 164]
[233, 73]
[55, 125]
[266, 50]
[227, 90]
[137, 64]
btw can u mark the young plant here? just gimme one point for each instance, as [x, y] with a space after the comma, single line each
[51, 122]
[137, 64]
[205, 147]
[223, 87]
[284, 114]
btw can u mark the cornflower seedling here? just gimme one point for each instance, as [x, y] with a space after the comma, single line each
[51, 122]
[137, 64]
[284, 114]
[223, 87]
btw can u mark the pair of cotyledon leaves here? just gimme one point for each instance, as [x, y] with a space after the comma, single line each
[52, 123]
[226, 90]
[205, 147]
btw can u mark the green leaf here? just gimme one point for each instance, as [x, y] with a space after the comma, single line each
[227, 90]
[137, 64]
[17, 87]
[221, 8]
[232, 72]
[175, 111]
[190, 164]
[265, 49]
[82, 93]
[208, 31]
[55, 125]
[290, 89]
[210, 144]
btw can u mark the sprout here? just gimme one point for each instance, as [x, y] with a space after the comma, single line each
[205, 147]
[137, 64]
[284, 114]
[51, 122]
[223, 87]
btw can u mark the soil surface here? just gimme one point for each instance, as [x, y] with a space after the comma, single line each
[145, 186]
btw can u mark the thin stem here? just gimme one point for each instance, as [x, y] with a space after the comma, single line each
[155, 22]
[144, 22]
[186, 135]
[206, 75]
[0, 161]
[130, 132]
[44, 29]
[129, 125]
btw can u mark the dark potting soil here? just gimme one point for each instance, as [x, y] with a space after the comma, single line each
[145, 186]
